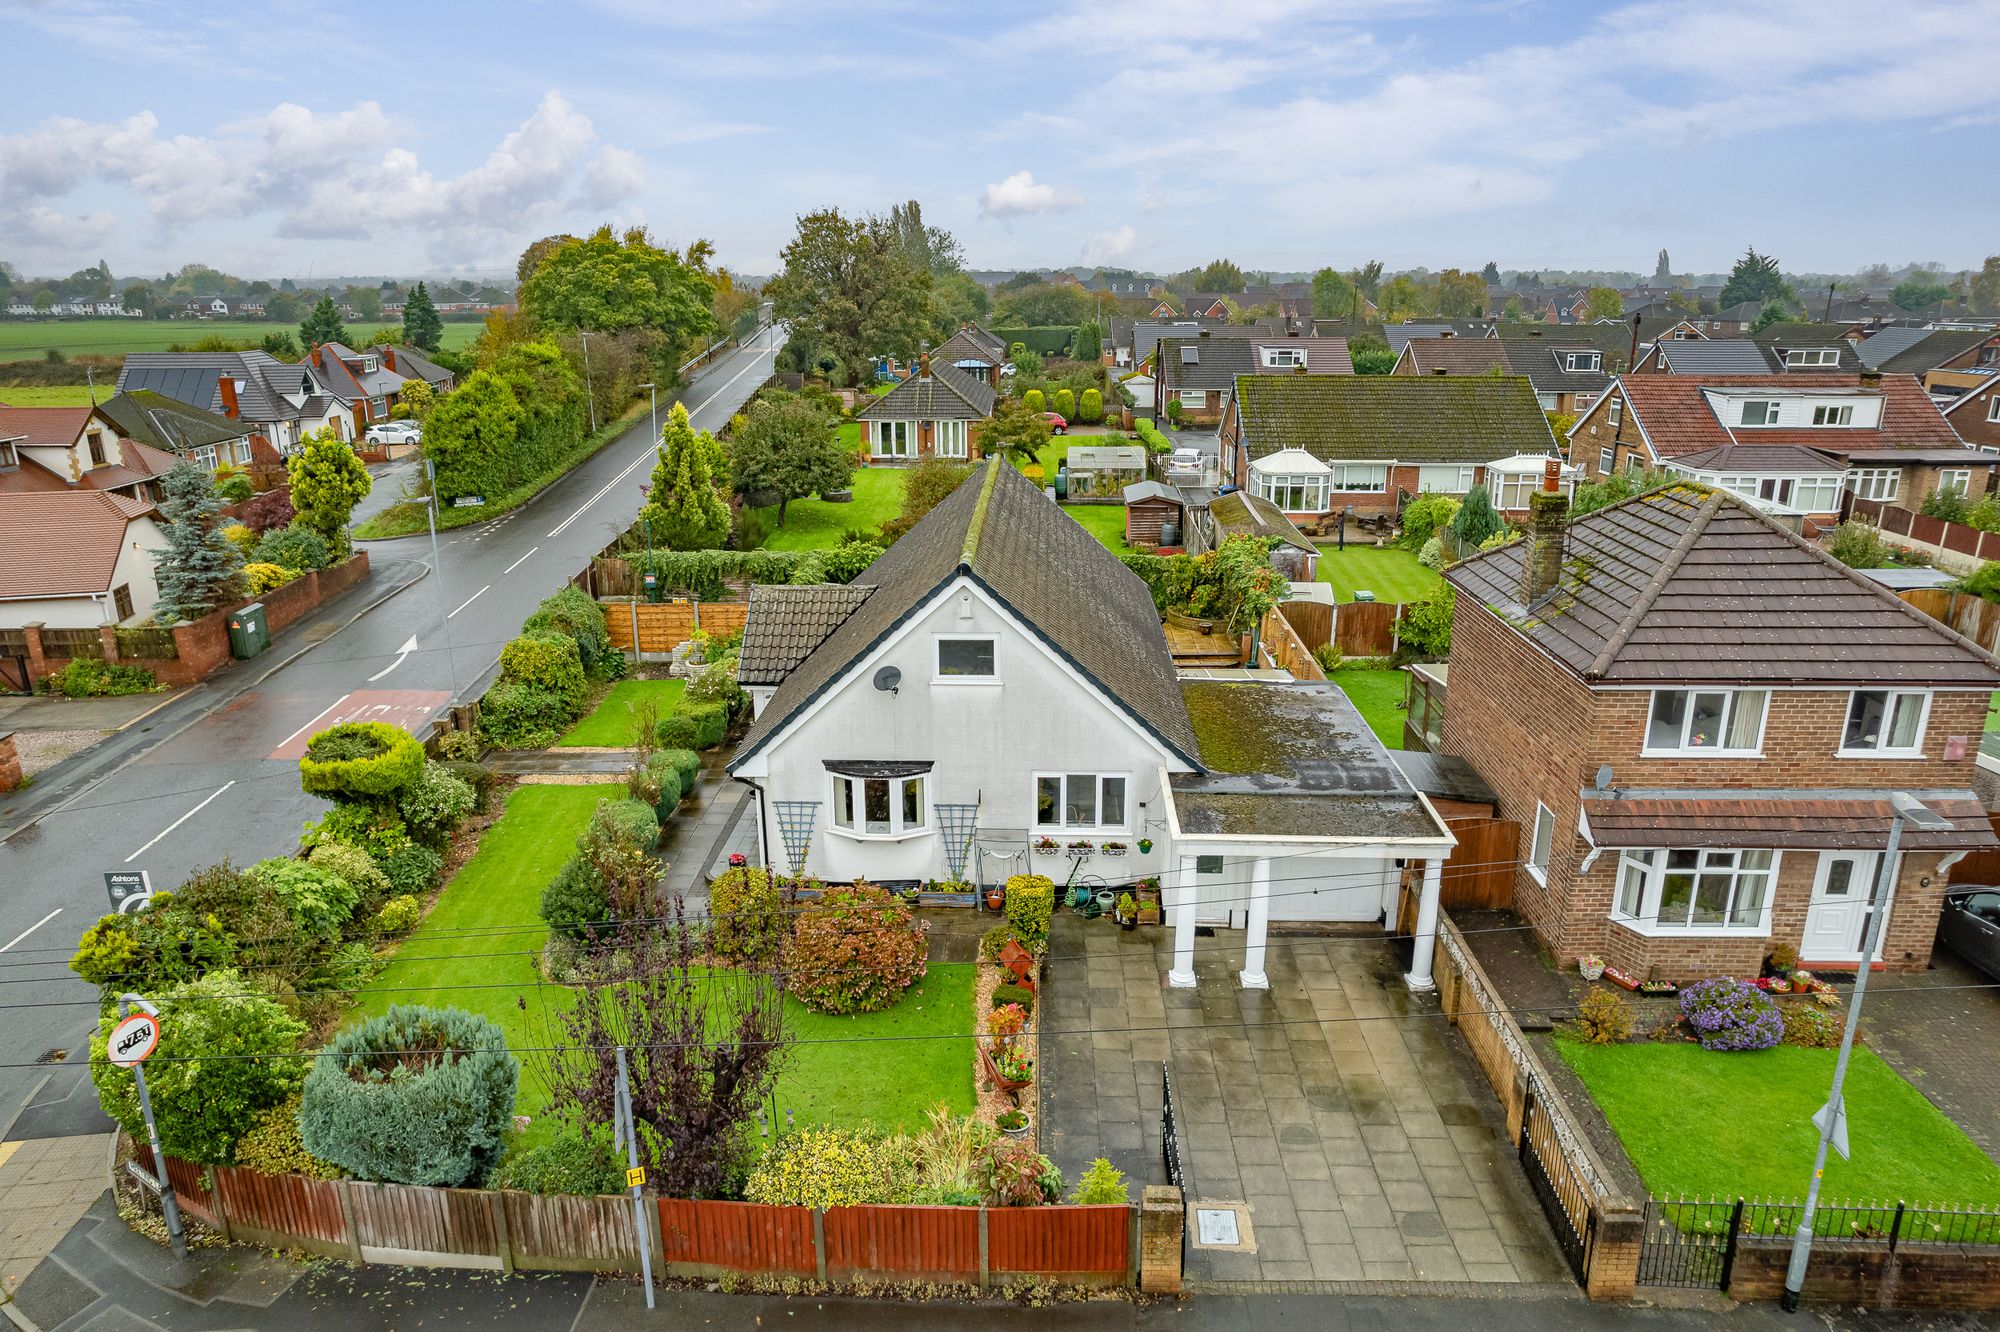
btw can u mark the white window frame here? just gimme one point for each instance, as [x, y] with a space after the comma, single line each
[894, 439]
[1767, 410]
[1955, 478]
[1914, 750]
[1875, 483]
[1817, 494]
[1462, 477]
[1197, 398]
[1097, 803]
[1339, 482]
[1541, 843]
[1283, 358]
[948, 438]
[1614, 413]
[1832, 415]
[1583, 362]
[938, 674]
[1510, 490]
[855, 791]
[1279, 488]
[1642, 874]
[1607, 460]
[1812, 356]
[1993, 409]
[204, 456]
[1733, 700]
[242, 450]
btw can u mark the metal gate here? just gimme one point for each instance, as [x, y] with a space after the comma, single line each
[1170, 1138]
[1689, 1243]
[1564, 1196]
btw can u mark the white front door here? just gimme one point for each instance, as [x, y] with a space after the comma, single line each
[1842, 899]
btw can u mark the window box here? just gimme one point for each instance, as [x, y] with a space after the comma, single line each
[1081, 849]
[1047, 846]
[1113, 848]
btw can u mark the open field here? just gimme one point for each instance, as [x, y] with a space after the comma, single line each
[30, 340]
[59, 395]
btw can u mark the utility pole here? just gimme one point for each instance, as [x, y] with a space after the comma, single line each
[635, 1176]
[654, 390]
[437, 572]
[589, 389]
[1832, 1118]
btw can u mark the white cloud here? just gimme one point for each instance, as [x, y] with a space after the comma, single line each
[1021, 195]
[613, 176]
[1109, 246]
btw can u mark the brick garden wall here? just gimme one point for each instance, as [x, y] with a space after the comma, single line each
[1871, 1275]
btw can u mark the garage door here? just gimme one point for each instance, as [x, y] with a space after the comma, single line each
[1349, 890]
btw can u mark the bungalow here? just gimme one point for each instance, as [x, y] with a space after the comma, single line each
[928, 415]
[1317, 445]
[280, 401]
[974, 353]
[994, 696]
[1693, 776]
[51, 449]
[75, 559]
[1198, 372]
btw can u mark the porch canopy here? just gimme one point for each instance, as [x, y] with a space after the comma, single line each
[1778, 820]
[1299, 813]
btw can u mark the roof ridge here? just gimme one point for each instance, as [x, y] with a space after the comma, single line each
[970, 550]
[1655, 585]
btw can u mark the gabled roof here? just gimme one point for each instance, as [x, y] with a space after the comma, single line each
[1781, 338]
[1240, 513]
[967, 345]
[1613, 340]
[1884, 343]
[1455, 356]
[1420, 419]
[945, 395]
[1000, 531]
[43, 427]
[1398, 336]
[62, 543]
[1714, 356]
[192, 377]
[161, 422]
[413, 362]
[1676, 418]
[1687, 584]
[786, 623]
[1924, 353]
[1204, 363]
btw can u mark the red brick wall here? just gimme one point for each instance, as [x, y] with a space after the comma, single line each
[1915, 1276]
[1971, 420]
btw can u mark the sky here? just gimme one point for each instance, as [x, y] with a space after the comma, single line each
[441, 137]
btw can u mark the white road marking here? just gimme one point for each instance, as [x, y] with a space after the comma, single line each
[408, 647]
[308, 726]
[518, 563]
[185, 817]
[30, 930]
[755, 353]
[469, 600]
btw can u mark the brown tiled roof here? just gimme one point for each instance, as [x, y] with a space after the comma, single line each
[62, 542]
[1761, 458]
[1239, 513]
[974, 344]
[786, 623]
[1420, 419]
[1685, 584]
[1675, 418]
[38, 427]
[999, 530]
[944, 395]
[1456, 356]
[1780, 819]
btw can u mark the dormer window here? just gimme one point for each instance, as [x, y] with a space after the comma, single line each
[1760, 412]
[1829, 415]
[1582, 362]
[1279, 358]
[1811, 357]
[369, 364]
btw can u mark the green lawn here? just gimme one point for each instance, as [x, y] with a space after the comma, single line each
[1390, 573]
[22, 340]
[56, 395]
[1700, 1123]
[1106, 522]
[1379, 697]
[1993, 713]
[609, 724]
[839, 1072]
[814, 524]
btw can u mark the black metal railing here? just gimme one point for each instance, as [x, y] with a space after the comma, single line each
[1564, 1194]
[1170, 1138]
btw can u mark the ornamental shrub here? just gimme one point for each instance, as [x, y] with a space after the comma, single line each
[399, 915]
[361, 761]
[87, 677]
[1016, 1175]
[1424, 517]
[547, 660]
[1031, 900]
[661, 785]
[1034, 401]
[1064, 405]
[571, 1163]
[687, 766]
[824, 1166]
[233, 1049]
[995, 939]
[1431, 554]
[318, 900]
[1004, 995]
[474, 775]
[260, 578]
[435, 803]
[572, 614]
[374, 829]
[1858, 545]
[1603, 1018]
[296, 547]
[1476, 519]
[855, 950]
[1102, 1183]
[517, 715]
[416, 1096]
[1811, 1025]
[621, 822]
[1090, 407]
[747, 913]
[412, 868]
[715, 684]
[1729, 1014]
[693, 726]
[242, 538]
[273, 1146]
[577, 900]
[355, 866]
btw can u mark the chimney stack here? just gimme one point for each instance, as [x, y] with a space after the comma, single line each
[923, 360]
[1871, 379]
[228, 388]
[1548, 519]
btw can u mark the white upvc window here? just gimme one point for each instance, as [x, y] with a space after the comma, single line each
[1542, 843]
[967, 659]
[1082, 801]
[1294, 494]
[895, 439]
[204, 457]
[1993, 409]
[1875, 483]
[948, 438]
[1580, 361]
[1510, 490]
[1816, 494]
[1955, 478]
[1445, 479]
[1885, 723]
[1759, 412]
[1690, 891]
[1614, 412]
[1196, 398]
[1830, 414]
[879, 806]
[1607, 460]
[1720, 722]
[1546, 401]
[1283, 357]
[242, 450]
[1361, 477]
[1812, 356]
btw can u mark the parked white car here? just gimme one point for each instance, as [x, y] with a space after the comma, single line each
[396, 432]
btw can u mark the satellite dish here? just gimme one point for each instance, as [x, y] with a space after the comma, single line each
[1604, 777]
[887, 679]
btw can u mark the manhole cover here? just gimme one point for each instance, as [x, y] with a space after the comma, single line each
[1217, 1226]
[53, 1056]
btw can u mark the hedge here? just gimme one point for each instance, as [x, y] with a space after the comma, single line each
[331, 766]
[1049, 340]
[1030, 901]
[693, 726]
[704, 574]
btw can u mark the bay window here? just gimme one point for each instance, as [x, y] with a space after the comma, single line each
[1705, 890]
[1080, 800]
[1706, 721]
[879, 799]
[1885, 723]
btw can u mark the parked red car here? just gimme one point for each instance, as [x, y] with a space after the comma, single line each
[1057, 426]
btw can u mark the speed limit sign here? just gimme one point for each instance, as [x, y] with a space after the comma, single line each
[133, 1040]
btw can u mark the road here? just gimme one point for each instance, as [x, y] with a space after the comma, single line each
[214, 774]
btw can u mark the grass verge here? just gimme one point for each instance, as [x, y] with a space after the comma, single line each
[609, 724]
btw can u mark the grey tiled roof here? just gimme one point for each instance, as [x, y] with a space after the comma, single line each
[192, 377]
[1783, 337]
[1422, 419]
[968, 345]
[1879, 346]
[1714, 356]
[1927, 353]
[786, 623]
[168, 423]
[947, 395]
[1754, 457]
[1043, 567]
[1686, 584]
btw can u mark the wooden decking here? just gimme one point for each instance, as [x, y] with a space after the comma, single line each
[1191, 649]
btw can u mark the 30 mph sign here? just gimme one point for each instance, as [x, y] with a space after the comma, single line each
[133, 1040]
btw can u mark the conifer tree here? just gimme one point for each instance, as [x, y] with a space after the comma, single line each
[684, 508]
[422, 325]
[200, 568]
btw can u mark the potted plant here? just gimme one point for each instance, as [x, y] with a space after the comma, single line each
[1082, 847]
[1145, 846]
[1013, 1123]
[908, 892]
[1106, 899]
[1658, 987]
[1015, 1067]
[1591, 966]
[1778, 985]
[1149, 911]
[1128, 912]
[1047, 846]
[1113, 848]
[1006, 1022]
[996, 899]
[1782, 961]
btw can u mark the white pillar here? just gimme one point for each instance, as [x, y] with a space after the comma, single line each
[1182, 975]
[1252, 976]
[1419, 975]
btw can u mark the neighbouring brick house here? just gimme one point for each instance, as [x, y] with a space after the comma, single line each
[1755, 703]
[928, 415]
[1198, 371]
[1801, 439]
[1975, 414]
[974, 353]
[1568, 367]
[1318, 444]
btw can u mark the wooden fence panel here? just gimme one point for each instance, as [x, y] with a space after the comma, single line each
[1311, 620]
[563, 1234]
[284, 1211]
[1366, 628]
[1284, 647]
[1480, 872]
[664, 626]
[190, 1184]
[706, 1238]
[914, 1243]
[398, 1223]
[1081, 1245]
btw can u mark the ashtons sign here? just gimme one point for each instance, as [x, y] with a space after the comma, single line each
[133, 1040]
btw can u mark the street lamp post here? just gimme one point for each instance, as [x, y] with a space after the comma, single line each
[1832, 1119]
[437, 573]
[655, 391]
[589, 389]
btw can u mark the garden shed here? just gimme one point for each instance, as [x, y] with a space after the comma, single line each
[1149, 507]
[1102, 471]
[1240, 513]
